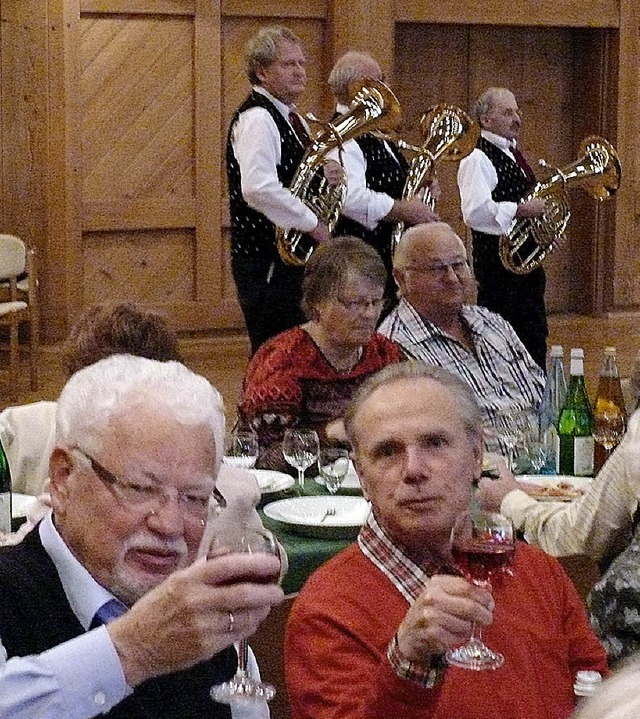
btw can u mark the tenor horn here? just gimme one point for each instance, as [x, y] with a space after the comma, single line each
[449, 134]
[530, 240]
[373, 107]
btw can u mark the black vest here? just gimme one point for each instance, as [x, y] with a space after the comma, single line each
[512, 187]
[35, 616]
[383, 174]
[252, 234]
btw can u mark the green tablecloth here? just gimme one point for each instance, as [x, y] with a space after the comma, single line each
[306, 554]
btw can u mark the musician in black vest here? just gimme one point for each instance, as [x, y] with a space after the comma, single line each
[376, 172]
[265, 145]
[492, 181]
[103, 609]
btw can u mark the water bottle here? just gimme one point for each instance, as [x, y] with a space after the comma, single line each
[5, 493]
[555, 391]
[575, 424]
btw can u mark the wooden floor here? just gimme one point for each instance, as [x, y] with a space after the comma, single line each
[222, 360]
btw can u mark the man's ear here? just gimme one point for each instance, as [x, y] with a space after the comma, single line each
[60, 469]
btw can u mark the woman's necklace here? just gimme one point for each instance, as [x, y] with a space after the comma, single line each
[339, 363]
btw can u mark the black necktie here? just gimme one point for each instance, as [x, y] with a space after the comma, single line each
[523, 164]
[299, 129]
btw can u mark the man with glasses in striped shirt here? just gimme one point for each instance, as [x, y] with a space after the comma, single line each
[434, 323]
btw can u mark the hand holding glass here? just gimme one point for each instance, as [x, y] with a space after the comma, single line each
[300, 448]
[482, 543]
[242, 687]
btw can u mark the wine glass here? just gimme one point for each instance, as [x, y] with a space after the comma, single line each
[511, 427]
[300, 448]
[227, 538]
[609, 425]
[333, 464]
[242, 449]
[482, 543]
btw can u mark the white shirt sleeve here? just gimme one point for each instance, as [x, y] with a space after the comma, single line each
[361, 204]
[477, 179]
[256, 145]
[78, 679]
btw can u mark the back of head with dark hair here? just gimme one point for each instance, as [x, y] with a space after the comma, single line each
[119, 328]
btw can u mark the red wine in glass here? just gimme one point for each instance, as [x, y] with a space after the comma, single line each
[481, 560]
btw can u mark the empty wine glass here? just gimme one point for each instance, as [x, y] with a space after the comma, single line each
[511, 427]
[482, 543]
[300, 448]
[609, 425]
[242, 449]
[333, 464]
[227, 538]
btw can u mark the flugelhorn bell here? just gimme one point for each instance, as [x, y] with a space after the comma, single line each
[530, 240]
[373, 107]
[449, 134]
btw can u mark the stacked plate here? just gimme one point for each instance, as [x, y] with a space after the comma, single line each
[271, 482]
[554, 488]
[322, 517]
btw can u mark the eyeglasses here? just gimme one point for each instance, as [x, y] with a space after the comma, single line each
[148, 498]
[362, 305]
[440, 269]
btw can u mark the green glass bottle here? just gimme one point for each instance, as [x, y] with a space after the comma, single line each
[5, 493]
[575, 424]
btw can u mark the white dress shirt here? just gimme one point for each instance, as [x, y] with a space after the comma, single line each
[361, 204]
[477, 179]
[82, 677]
[256, 144]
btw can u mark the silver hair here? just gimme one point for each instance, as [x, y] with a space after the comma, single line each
[347, 69]
[416, 370]
[97, 394]
[486, 101]
[262, 48]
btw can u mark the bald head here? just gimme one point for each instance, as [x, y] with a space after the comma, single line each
[353, 65]
[430, 267]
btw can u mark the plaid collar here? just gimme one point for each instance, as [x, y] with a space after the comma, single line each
[408, 578]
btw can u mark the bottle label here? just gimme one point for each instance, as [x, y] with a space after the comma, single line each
[583, 456]
[5, 512]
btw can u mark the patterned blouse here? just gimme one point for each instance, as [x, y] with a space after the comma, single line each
[289, 382]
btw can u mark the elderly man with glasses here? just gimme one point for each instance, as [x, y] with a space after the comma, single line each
[104, 610]
[434, 324]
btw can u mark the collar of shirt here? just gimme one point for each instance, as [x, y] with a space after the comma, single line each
[84, 594]
[499, 141]
[408, 578]
[282, 107]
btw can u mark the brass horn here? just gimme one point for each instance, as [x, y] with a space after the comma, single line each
[530, 240]
[449, 134]
[373, 107]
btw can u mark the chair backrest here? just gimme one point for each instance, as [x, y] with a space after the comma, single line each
[13, 256]
[268, 646]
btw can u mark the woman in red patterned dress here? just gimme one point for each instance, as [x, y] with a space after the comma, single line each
[305, 376]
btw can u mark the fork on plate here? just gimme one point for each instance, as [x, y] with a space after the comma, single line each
[329, 512]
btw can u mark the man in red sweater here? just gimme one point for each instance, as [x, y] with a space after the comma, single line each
[368, 634]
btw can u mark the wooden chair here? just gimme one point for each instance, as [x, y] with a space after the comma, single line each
[582, 570]
[21, 305]
[268, 646]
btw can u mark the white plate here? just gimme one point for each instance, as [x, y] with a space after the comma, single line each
[272, 481]
[304, 515]
[20, 504]
[546, 480]
[350, 484]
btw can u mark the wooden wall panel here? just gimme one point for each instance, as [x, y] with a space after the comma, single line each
[153, 268]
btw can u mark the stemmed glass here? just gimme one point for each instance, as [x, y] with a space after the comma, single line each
[482, 543]
[511, 428]
[242, 449]
[609, 425]
[333, 464]
[300, 448]
[227, 538]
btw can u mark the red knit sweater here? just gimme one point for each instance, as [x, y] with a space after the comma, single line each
[348, 611]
